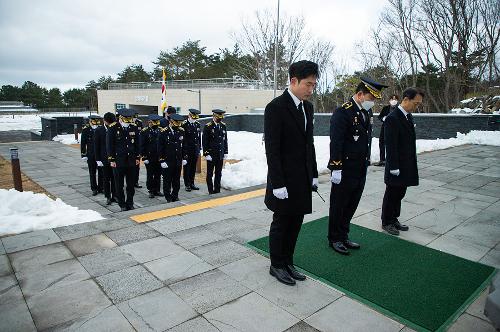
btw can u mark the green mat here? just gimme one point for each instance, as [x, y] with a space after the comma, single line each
[421, 287]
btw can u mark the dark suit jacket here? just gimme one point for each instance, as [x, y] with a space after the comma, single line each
[100, 145]
[291, 158]
[87, 143]
[401, 150]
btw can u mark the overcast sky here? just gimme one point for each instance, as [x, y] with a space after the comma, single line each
[65, 44]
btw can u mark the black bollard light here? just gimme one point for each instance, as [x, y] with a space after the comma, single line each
[16, 169]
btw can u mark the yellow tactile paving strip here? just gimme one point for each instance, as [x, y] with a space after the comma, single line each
[140, 218]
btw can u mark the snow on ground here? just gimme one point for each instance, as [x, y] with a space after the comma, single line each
[252, 169]
[26, 211]
[30, 121]
[67, 139]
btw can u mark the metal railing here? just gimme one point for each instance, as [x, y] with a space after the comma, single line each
[211, 83]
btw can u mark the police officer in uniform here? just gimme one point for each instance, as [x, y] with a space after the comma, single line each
[350, 146]
[170, 153]
[149, 153]
[88, 153]
[215, 149]
[122, 143]
[140, 125]
[164, 123]
[192, 146]
[102, 158]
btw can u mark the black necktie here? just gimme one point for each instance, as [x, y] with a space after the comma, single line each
[301, 110]
[410, 118]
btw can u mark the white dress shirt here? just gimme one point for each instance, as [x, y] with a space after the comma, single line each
[297, 101]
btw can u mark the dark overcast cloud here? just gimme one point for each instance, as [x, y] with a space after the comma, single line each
[68, 43]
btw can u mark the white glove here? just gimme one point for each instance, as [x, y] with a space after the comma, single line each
[280, 193]
[383, 119]
[208, 158]
[315, 181]
[184, 162]
[164, 165]
[225, 156]
[99, 163]
[146, 162]
[394, 172]
[85, 158]
[336, 176]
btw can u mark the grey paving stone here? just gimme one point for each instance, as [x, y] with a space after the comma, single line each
[231, 226]
[482, 229]
[302, 300]
[152, 249]
[132, 234]
[77, 231]
[338, 316]
[35, 258]
[62, 307]
[109, 319]
[157, 311]
[194, 237]
[466, 323]
[29, 240]
[177, 267]
[106, 261]
[250, 313]
[196, 324]
[302, 327]
[492, 258]
[51, 276]
[176, 224]
[5, 267]
[89, 244]
[247, 236]
[252, 271]
[14, 313]
[128, 283]
[477, 307]
[222, 252]
[458, 247]
[2, 250]
[209, 290]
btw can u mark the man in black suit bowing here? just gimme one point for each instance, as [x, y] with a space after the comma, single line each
[291, 164]
[401, 159]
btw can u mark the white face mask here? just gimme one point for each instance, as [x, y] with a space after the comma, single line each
[191, 120]
[93, 126]
[393, 102]
[367, 104]
[124, 124]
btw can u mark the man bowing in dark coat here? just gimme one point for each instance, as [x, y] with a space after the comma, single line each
[291, 166]
[401, 161]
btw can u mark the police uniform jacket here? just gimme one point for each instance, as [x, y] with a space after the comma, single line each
[170, 145]
[350, 142]
[87, 142]
[149, 143]
[215, 140]
[100, 145]
[401, 150]
[290, 153]
[192, 137]
[123, 144]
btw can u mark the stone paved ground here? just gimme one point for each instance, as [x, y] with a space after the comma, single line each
[193, 273]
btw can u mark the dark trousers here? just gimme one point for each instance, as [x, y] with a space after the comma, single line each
[391, 205]
[108, 181]
[381, 143]
[211, 165]
[172, 180]
[125, 175]
[283, 235]
[190, 168]
[95, 184]
[153, 171]
[344, 200]
[137, 168]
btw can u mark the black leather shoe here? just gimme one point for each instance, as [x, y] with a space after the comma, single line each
[130, 207]
[294, 273]
[339, 247]
[175, 198]
[137, 185]
[193, 187]
[351, 245]
[114, 200]
[159, 193]
[188, 188]
[400, 227]
[282, 275]
[94, 192]
[168, 198]
[109, 201]
[391, 229]
[123, 208]
[151, 195]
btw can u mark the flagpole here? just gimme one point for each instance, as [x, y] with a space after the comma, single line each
[276, 51]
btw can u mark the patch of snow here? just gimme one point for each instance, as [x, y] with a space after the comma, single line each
[67, 139]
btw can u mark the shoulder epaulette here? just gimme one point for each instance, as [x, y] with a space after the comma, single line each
[180, 128]
[163, 129]
[113, 124]
[133, 124]
[347, 105]
[209, 124]
[145, 128]
[223, 123]
[85, 126]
